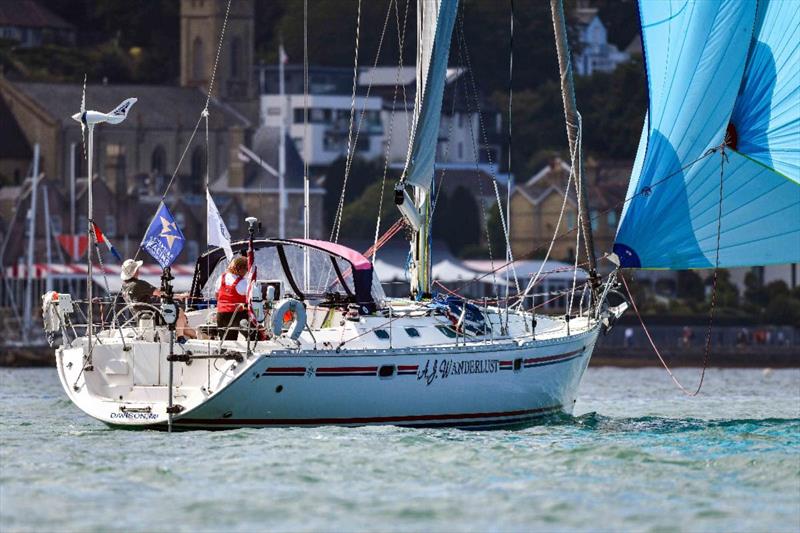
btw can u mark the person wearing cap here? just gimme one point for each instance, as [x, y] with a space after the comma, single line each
[137, 291]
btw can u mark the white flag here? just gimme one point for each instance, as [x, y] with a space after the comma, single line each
[217, 232]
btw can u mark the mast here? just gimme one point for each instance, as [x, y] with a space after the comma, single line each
[74, 248]
[572, 118]
[28, 309]
[282, 150]
[48, 236]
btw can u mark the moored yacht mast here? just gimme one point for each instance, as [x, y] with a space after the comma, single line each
[573, 119]
[88, 119]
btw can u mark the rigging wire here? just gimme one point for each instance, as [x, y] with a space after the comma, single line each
[387, 150]
[475, 153]
[644, 192]
[352, 147]
[485, 139]
[510, 115]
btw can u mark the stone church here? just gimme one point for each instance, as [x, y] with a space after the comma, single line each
[135, 160]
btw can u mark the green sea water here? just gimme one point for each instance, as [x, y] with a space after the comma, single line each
[637, 456]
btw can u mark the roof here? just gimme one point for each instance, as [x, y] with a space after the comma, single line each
[355, 258]
[159, 106]
[13, 144]
[30, 14]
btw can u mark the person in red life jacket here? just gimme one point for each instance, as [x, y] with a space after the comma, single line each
[232, 297]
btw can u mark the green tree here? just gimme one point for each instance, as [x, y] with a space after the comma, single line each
[363, 173]
[360, 215]
[690, 286]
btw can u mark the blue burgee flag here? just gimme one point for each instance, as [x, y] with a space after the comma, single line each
[163, 240]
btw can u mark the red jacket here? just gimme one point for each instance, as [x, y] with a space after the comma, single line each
[228, 298]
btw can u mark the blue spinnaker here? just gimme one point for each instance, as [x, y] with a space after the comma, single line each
[720, 73]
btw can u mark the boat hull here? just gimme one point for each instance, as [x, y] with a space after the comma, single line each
[477, 387]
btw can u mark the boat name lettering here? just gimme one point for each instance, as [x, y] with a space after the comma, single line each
[447, 367]
[135, 416]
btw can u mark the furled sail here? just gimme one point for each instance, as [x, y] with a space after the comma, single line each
[718, 71]
[435, 20]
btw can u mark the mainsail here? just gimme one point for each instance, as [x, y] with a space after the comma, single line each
[718, 72]
[435, 20]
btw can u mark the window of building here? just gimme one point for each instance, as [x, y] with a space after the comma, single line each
[55, 224]
[110, 227]
[233, 222]
[198, 168]
[593, 216]
[612, 219]
[570, 221]
[158, 160]
[236, 57]
[198, 70]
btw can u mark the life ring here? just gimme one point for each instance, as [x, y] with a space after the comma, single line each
[289, 308]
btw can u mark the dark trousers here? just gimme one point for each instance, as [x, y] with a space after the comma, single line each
[231, 322]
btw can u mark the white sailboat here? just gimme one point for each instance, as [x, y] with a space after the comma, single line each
[337, 351]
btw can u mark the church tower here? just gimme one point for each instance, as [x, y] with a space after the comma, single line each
[201, 24]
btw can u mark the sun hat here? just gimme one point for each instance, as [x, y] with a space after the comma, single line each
[129, 269]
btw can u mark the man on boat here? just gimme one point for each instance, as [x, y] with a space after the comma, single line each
[232, 297]
[137, 291]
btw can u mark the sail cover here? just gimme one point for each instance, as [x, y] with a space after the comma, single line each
[435, 20]
[717, 71]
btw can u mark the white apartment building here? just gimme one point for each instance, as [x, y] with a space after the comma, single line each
[384, 125]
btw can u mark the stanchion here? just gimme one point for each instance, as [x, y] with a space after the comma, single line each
[170, 313]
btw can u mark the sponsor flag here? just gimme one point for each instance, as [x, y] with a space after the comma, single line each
[215, 228]
[164, 239]
[100, 237]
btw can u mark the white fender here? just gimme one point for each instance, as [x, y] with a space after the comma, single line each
[298, 312]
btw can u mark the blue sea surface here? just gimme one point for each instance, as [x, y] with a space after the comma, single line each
[637, 456]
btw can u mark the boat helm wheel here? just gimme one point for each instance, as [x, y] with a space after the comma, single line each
[290, 315]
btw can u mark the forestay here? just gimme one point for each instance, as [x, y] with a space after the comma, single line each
[435, 22]
[718, 72]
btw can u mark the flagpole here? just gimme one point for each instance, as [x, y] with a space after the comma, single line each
[89, 282]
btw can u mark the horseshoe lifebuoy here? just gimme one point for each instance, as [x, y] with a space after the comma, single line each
[292, 309]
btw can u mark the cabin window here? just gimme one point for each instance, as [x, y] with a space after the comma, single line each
[447, 331]
[412, 332]
[382, 334]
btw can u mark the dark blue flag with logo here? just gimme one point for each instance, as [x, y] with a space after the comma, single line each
[163, 240]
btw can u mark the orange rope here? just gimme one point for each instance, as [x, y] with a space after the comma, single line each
[655, 348]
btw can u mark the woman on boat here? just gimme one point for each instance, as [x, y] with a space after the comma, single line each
[137, 291]
[232, 297]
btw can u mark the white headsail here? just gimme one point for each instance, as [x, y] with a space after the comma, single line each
[435, 21]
